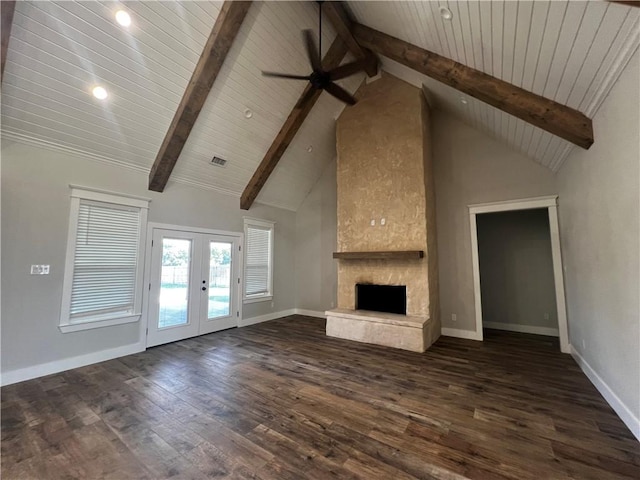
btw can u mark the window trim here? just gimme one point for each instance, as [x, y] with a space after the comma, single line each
[259, 297]
[79, 193]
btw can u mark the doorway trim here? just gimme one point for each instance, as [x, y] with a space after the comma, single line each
[551, 204]
[144, 324]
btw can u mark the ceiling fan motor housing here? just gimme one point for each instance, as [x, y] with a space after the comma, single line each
[319, 79]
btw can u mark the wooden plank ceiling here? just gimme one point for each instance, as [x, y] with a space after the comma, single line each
[296, 118]
[570, 52]
[215, 51]
[551, 116]
[6, 12]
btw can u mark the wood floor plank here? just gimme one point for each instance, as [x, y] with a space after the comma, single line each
[280, 400]
[366, 467]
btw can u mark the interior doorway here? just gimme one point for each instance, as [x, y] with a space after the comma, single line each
[194, 280]
[516, 272]
[549, 207]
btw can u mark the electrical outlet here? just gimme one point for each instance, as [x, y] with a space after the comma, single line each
[373, 222]
[546, 316]
[333, 304]
[272, 304]
[383, 221]
[454, 317]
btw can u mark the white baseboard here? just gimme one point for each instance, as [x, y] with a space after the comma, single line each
[455, 332]
[310, 313]
[625, 414]
[245, 322]
[512, 327]
[57, 366]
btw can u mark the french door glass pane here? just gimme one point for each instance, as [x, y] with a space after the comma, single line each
[219, 280]
[174, 284]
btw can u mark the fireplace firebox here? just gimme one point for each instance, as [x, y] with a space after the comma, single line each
[381, 298]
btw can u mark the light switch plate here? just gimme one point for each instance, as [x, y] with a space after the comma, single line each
[39, 269]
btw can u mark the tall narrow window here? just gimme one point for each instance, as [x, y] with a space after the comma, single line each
[102, 283]
[258, 264]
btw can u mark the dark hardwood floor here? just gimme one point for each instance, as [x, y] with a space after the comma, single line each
[281, 401]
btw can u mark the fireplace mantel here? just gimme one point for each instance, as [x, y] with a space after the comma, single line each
[389, 255]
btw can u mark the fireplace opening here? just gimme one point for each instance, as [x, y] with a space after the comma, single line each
[381, 298]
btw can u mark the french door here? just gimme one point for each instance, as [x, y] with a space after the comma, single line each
[194, 284]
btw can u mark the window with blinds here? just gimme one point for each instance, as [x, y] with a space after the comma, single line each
[258, 264]
[102, 283]
[106, 257]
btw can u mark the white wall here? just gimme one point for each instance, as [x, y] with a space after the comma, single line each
[35, 216]
[516, 271]
[599, 229]
[470, 168]
[316, 239]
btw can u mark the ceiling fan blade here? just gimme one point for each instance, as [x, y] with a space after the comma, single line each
[285, 75]
[340, 93]
[312, 50]
[347, 69]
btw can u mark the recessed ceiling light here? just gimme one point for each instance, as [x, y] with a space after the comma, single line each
[446, 13]
[248, 113]
[310, 148]
[123, 18]
[100, 93]
[463, 101]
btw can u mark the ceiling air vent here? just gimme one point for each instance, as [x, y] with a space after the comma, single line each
[218, 162]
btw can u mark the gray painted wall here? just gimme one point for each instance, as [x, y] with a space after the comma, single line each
[516, 269]
[316, 240]
[472, 168]
[599, 216]
[35, 218]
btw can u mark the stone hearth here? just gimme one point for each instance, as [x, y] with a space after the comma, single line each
[389, 329]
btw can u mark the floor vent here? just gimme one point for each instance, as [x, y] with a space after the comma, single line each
[218, 162]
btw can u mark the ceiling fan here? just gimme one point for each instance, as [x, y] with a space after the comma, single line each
[319, 78]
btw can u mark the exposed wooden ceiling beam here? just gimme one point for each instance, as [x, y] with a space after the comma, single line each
[546, 114]
[332, 59]
[215, 51]
[7, 8]
[631, 3]
[342, 23]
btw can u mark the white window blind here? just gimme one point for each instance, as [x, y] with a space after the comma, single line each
[105, 261]
[258, 254]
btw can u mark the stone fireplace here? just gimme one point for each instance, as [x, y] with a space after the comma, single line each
[386, 214]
